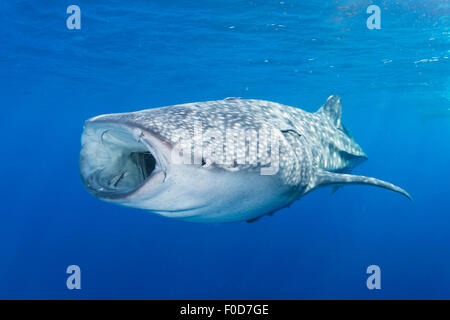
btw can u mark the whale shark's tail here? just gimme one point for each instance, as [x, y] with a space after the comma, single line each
[324, 178]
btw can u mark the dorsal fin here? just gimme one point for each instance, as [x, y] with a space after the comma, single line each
[325, 178]
[333, 110]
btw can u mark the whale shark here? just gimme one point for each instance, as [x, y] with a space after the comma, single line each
[219, 161]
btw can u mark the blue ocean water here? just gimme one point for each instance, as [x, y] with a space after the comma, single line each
[129, 55]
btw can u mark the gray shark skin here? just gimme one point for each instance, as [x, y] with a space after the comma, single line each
[128, 158]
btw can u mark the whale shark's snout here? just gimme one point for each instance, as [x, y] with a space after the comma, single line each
[118, 159]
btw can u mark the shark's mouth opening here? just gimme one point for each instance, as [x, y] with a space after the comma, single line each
[113, 163]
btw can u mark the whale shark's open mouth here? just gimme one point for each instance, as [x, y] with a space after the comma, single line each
[113, 163]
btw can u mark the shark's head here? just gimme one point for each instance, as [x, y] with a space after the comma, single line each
[119, 161]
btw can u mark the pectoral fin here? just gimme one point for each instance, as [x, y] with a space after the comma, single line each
[253, 219]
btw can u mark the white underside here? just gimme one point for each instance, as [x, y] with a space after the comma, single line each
[213, 195]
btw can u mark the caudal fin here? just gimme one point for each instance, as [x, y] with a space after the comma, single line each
[325, 178]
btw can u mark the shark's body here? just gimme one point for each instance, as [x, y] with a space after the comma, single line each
[239, 159]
